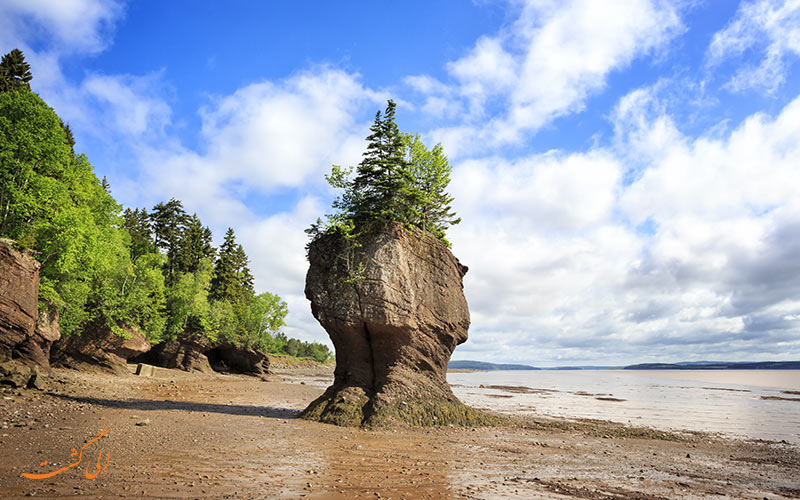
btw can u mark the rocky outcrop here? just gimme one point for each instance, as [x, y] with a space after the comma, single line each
[19, 298]
[395, 310]
[187, 353]
[233, 358]
[196, 353]
[26, 334]
[100, 348]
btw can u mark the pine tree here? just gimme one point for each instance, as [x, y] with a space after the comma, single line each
[232, 279]
[68, 133]
[194, 245]
[399, 180]
[137, 223]
[382, 176]
[168, 221]
[15, 72]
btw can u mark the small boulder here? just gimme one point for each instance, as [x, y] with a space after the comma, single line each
[18, 375]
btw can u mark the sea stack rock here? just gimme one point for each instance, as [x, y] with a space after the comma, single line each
[395, 310]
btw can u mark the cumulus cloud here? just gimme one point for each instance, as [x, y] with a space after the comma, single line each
[769, 27]
[695, 250]
[64, 25]
[544, 65]
[264, 138]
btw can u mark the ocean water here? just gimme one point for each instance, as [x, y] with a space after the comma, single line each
[755, 404]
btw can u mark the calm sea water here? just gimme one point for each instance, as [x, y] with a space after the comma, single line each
[759, 404]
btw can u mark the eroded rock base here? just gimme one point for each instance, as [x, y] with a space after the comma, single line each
[354, 406]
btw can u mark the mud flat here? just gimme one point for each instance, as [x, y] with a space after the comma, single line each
[179, 435]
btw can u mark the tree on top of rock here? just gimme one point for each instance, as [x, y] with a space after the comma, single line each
[382, 178]
[398, 180]
[15, 72]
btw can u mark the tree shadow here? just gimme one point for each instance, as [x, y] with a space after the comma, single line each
[167, 404]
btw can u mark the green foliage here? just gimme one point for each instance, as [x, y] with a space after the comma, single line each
[167, 223]
[34, 164]
[137, 223]
[264, 318]
[194, 246]
[99, 267]
[430, 171]
[398, 180]
[15, 73]
[187, 303]
[232, 281]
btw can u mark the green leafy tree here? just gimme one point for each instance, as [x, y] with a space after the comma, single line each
[188, 304]
[430, 173]
[15, 72]
[264, 318]
[34, 163]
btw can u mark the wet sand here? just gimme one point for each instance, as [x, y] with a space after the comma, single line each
[227, 436]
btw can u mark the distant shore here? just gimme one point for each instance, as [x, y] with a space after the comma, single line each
[230, 436]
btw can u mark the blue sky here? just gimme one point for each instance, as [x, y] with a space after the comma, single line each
[627, 172]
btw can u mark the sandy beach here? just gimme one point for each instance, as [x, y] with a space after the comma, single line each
[187, 435]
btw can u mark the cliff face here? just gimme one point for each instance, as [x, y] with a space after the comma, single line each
[395, 310]
[25, 334]
[19, 298]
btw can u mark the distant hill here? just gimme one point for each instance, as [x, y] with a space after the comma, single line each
[482, 365]
[585, 367]
[719, 365]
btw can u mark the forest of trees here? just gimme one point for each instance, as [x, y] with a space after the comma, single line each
[157, 271]
[398, 180]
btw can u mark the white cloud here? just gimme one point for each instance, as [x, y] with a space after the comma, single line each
[771, 27]
[68, 25]
[263, 138]
[563, 267]
[545, 65]
[131, 105]
[287, 133]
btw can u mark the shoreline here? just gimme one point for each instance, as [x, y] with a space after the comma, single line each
[234, 436]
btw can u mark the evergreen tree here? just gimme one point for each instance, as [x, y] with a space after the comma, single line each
[15, 72]
[382, 176]
[399, 180]
[137, 223]
[167, 221]
[194, 245]
[232, 280]
[69, 136]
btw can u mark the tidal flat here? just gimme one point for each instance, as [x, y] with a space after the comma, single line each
[185, 435]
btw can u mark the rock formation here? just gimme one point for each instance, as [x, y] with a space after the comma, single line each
[25, 334]
[395, 310]
[196, 353]
[100, 348]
